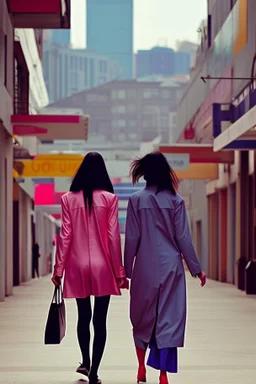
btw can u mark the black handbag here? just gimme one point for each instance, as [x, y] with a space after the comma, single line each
[55, 329]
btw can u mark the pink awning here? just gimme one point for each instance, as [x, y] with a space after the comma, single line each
[51, 127]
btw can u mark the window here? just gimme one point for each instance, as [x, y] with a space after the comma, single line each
[132, 123]
[105, 67]
[149, 93]
[85, 64]
[81, 63]
[85, 73]
[121, 109]
[102, 98]
[132, 94]
[73, 62]
[101, 65]
[74, 79]
[131, 108]
[121, 123]
[121, 137]
[113, 95]
[121, 94]
[133, 136]
[92, 73]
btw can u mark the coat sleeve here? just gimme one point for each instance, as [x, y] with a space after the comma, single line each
[64, 239]
[132, 238]
[114, 240]
[184, 240]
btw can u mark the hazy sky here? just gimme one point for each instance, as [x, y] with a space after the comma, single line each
[156, 22]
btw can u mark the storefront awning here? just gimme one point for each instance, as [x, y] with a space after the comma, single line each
[37, 14]
[51, 127]
[199, 153]
[242, 134]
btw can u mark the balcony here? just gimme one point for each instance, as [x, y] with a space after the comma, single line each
[38, 14]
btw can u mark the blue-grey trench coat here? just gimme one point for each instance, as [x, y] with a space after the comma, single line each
[157, 235]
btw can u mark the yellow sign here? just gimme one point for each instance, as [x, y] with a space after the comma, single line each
[198, 171]
[240, 28]
[47, 166]
[52, 166]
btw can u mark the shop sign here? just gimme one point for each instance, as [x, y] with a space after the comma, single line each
[178, 161]
[50, 168]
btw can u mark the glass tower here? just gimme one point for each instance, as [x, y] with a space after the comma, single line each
[110, 31]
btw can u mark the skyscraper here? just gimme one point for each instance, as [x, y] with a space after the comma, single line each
[110, 31]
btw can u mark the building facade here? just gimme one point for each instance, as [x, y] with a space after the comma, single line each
[110, 32]
[127, 111]
[22, 91]
[221, 112]
[162, 61]
[68, 71]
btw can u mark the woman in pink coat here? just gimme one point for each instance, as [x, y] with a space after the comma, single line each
[89, 252]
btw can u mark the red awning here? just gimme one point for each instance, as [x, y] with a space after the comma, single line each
[199, 153]
[51, 127]
[38, 14]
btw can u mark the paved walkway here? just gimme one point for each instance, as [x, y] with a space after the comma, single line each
[220, 345]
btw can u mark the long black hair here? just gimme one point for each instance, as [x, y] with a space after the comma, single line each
[92, 175]
[156, 171]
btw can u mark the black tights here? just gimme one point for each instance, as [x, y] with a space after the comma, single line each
[100, 330]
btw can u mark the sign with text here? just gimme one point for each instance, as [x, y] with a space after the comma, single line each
[178, 161]
[51, 168]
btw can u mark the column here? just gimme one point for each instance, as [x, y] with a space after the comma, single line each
[2, 215]
[230, 234]
[223, 236]
[213, 235]
[9, 216]
[244, 205]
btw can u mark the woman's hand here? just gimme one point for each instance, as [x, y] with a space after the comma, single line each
[123, 283]
[56, 280]
[202, 277]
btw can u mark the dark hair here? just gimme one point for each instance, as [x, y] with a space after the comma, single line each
[156, 171]
[91, 175]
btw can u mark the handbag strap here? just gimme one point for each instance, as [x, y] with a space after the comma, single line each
[57, 295]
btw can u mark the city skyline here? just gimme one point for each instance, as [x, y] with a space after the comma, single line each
[171, 18]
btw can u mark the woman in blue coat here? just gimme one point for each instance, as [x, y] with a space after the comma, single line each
[157, 236]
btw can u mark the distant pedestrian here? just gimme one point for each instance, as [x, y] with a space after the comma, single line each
[157, 235]
[89, 252]
[35, 260]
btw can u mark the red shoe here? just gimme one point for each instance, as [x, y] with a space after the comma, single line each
[141, 377]
[163, 379]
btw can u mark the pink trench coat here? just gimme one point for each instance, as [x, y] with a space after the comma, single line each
[89, 246]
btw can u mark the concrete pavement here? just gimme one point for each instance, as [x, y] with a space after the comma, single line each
[220, 344]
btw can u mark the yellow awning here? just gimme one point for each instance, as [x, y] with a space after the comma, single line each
[199, 172]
